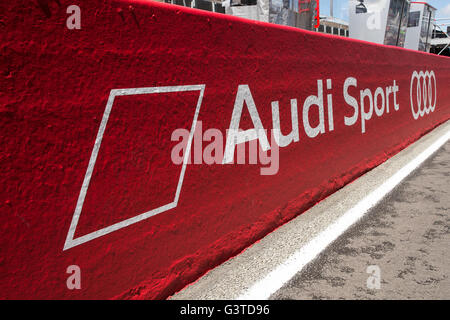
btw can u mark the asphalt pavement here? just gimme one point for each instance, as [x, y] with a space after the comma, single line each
[399, 250]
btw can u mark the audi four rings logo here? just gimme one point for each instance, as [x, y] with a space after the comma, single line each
[425, 93]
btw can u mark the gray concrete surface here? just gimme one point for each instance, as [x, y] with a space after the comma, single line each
[233, 278]
[406, 236]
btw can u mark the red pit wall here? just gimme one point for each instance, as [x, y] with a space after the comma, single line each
[55, 84]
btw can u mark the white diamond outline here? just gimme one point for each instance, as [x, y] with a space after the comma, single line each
[70, 241]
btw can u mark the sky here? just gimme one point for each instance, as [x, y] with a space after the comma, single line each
[341, 8]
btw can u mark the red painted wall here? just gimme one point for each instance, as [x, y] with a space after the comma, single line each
[55, 84]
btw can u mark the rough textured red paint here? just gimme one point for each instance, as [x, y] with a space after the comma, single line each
[55, 84]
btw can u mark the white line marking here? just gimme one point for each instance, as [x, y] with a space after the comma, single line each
[70, 241]
[273, 281]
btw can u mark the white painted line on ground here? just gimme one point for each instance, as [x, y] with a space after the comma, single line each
[265, 287]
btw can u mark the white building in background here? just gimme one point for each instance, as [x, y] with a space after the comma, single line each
[420, 26]
[332, 25]
[379, 21]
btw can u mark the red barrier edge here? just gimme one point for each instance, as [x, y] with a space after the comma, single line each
[56, 83]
